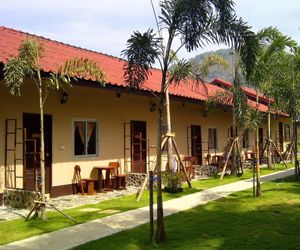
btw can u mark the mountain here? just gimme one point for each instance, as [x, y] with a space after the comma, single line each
[217, 71]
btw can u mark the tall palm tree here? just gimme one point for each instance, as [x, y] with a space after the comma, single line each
[27, 64]
[244, 117]
[285, 92]
[195, 23]
[271, 42]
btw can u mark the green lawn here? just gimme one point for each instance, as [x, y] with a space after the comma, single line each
[20, 229]
[236, 222]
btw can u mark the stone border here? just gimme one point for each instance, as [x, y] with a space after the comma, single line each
[19, 198]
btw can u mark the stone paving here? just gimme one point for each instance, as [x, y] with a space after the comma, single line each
[66, 202]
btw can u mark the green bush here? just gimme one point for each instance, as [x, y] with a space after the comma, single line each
[173, 181]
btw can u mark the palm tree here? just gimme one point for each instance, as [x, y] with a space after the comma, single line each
[271, 42]
[244, 116]
[195, 23]
[286, 94]
[27, 64]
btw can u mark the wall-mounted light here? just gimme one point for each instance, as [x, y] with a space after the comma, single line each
[64, 98]
[152, 107]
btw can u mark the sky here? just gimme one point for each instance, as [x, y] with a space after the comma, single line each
[105, 26]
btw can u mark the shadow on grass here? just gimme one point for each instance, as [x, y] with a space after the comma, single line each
[236, 222]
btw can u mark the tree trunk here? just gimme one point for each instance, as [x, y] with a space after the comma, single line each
[42, 151]
[169, 130]
[258, 188]
[295, 141]
[269, 160]
[151, 204]
[160, 233]
[234, 157]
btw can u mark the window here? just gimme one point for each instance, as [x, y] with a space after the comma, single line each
[85, 138]
[212, 138]
[287, 133]
[246, 139]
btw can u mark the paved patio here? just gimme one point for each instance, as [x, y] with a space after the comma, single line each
[92, 230]
[65, 202]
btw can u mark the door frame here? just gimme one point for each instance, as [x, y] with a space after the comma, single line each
[281, 138]
[197, 160]
[47, 118]
[144, 146]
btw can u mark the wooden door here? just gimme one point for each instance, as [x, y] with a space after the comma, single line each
[196, 143]
[138, 147]
[281, 136]
[32, 172]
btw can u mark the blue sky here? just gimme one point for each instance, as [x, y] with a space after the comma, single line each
[105, 26]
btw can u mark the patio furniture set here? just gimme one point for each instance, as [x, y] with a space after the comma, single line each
[114, 180]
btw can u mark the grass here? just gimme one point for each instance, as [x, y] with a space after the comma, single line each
[20, 229]
[236, 222]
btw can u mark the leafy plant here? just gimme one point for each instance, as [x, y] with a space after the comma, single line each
[173, 181]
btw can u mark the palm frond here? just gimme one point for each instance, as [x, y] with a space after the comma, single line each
[251, 119]
[220, 97]
[180, 71]
[14, 73]
[202, 22]
[141, 52]
[31, 51]
[80, 68]
[268, 34]
[249, 55]
[278, 44]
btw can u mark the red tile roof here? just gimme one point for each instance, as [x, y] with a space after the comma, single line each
[56, 53]
[248, 91]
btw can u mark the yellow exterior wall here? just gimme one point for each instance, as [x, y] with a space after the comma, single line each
[111, 113]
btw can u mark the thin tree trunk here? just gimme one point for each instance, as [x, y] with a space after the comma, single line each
[160, 233]
[169, 130]
[295, 140]
[258, 188]
[269, 160]
[151, 204]
[42, 150]
[234, 153]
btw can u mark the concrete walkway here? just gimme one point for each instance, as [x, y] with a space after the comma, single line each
[82, 233]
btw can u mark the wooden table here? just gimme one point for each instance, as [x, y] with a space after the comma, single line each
[107, 184]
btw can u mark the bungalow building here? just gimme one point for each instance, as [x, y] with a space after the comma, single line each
[91, 125]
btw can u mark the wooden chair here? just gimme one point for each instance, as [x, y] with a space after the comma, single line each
[119, 179]
[84, 183]
[247, 156]
[208, 159]
[215, 160]
[189, 163]
[221, 161]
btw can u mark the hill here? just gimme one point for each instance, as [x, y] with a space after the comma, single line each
[217, 71]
